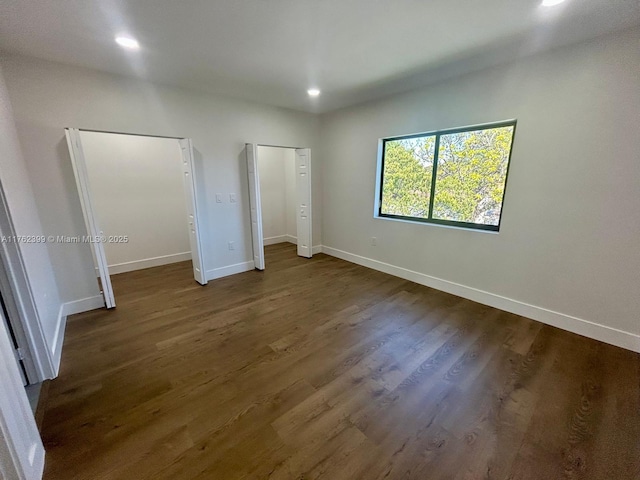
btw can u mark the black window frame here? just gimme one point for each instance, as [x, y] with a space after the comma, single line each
[438, 134]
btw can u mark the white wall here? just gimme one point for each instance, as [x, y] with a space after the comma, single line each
[137, 190]
[48, 97]
[276, 169]
[571, 224]
[46, 330]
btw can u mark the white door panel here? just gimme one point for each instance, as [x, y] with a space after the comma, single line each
[255, 206]
[199, 273]
[303, 214]
[21, 450]
[93, 229]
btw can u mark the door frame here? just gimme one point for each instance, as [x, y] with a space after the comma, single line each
[91, 221]
[37, 358]
[255, 202]
[255, 206]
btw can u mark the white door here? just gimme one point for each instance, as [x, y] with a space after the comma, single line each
[21, 450]
[82, 180]
[190, 188]
[255, 206]
[303, 202]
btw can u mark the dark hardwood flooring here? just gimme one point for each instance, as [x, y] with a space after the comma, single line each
[324, 369]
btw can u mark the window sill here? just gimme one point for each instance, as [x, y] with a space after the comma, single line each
[439, 225]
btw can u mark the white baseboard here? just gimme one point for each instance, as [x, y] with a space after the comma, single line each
[148, 263]
[66, 309]
[274, 240]
[242, 267]
[82, 305]
[317, 249]
[230, 270]
[280, 239]
[606, 334]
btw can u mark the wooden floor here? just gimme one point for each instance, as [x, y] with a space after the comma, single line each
[324, 369]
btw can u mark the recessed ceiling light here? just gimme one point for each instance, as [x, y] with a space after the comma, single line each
[551, 3]
[128, 42]
[313, 92]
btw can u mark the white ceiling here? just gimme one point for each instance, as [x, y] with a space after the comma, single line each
[273, 50]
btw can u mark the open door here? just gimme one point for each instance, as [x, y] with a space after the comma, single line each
[254, 204]
[303, 200]
[186, 147]
[82, 181]
[21, 450]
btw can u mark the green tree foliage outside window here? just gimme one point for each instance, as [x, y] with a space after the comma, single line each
[470, 176]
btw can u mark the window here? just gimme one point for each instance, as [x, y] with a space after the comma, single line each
[452, 177]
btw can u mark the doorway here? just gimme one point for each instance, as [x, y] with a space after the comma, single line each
[138, 197]
[14, 341]
[279, 198]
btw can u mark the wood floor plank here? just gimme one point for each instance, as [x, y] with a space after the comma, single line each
[319, 368]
